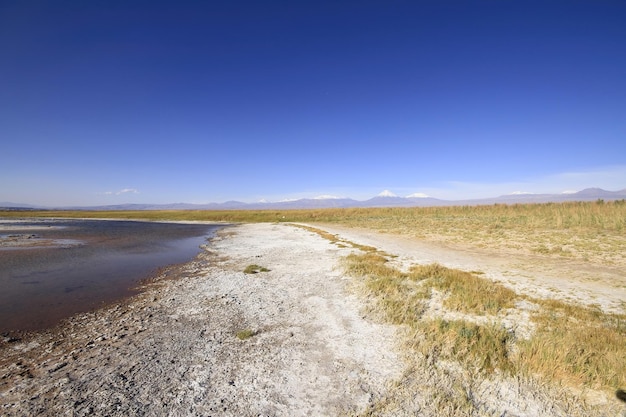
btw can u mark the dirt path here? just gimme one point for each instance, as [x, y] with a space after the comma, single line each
[535, 275]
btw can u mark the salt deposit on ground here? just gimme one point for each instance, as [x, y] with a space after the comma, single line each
[174, 349]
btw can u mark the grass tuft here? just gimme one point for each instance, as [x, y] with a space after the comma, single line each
[577, 345]
[465, 291]
[401, 298]
[245, 334]
[484, 348]
[255, 269]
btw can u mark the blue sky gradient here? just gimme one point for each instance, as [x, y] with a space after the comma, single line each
[161, 102]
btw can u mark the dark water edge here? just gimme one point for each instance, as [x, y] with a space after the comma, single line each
[103, 263]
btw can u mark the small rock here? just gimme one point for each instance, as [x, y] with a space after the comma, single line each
[57, 367]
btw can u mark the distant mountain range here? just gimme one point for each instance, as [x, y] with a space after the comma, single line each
[384, 199]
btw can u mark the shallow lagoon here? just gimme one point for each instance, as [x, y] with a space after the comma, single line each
[52, 269]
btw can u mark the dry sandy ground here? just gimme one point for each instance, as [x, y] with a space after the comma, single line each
[173, 350]
[535, 275]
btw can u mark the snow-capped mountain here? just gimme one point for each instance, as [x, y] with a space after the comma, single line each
[386, 193]
[384, 199]
[418, 195]
[326, 197]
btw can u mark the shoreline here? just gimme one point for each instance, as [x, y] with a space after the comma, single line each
[205, 338]
[173, 349]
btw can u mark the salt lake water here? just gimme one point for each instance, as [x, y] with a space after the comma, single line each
[52, 269]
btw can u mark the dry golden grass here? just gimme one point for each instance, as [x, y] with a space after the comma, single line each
[572, 345]
[403, 297]
[335, 239]
[580, 345]
[466, 291]
[586, 230]
[481, 348]
[592, 231]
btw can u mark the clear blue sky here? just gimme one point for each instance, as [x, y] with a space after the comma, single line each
[107, 102]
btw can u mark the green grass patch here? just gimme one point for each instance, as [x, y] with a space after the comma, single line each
[255, 269]
[245, 334]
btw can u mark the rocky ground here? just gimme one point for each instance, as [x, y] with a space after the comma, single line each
[207, 339]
